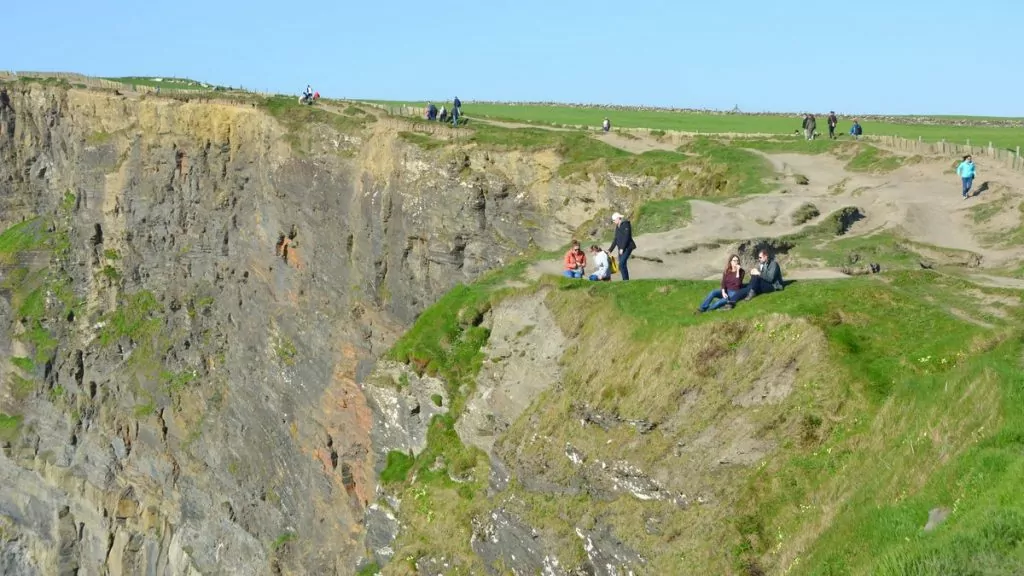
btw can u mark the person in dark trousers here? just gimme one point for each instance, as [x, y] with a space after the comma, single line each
[965, 170]
[623, 241]
[456, 111]
[765, 277]
[832, 122]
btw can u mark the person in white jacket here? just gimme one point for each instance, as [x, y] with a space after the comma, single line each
[601, 262]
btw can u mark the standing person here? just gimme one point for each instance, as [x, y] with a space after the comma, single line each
[444, 114]
[456, 111]
[601, 273]
[623, 242]
[856, 130]
[811, 126]
[606, 125]
[575, 261]
[765, 277]
[832, 123]
[726, 294]
[966, 172]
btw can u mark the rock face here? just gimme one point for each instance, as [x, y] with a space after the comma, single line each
[192, 295]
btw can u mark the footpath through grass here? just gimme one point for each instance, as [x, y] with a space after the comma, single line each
[723, 123]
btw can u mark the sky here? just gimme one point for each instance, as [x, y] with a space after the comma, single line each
[866, 56]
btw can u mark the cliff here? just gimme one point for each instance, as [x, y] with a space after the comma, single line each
[192, 291]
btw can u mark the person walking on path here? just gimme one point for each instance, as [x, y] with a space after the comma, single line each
[966, 172]
[832, 122]
[606, 125]
[623, 242]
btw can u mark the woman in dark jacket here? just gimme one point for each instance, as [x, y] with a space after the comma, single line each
[732, 283]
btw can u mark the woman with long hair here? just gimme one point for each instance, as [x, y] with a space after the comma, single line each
[732, 282]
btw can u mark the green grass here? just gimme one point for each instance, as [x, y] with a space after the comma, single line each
[136, 318]
[295, 118]
[24, 364]
[871, 159]
[9, 426]
[424, 141]
[164, 82]
[369, 570]
[805, 213]
[737, 123]
[899, 404]
[662, 215]
[397, 468]
[21, 237]
[282, 540]
[733, 171]
[795, 145]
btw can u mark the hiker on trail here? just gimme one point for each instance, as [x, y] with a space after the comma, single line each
[602, 273]
[623, 242]
[5, 100]
[307, 94]
[725, 295]
[965, 170]
[456, 111]
[856, 130]
[765, 277]
[809, 126]
[431, 111]
[575, 261]
[444, 114]
[832, 122]
[606, 125]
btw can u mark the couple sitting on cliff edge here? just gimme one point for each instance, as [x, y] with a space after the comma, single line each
[765, 277]
[576, 259]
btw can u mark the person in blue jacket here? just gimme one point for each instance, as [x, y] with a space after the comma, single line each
[965, 170]
[456, 111]
[856, 130]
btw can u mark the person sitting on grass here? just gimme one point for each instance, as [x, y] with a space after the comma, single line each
[725, 295]
[575, 261]
[602, 273]
[765, 277]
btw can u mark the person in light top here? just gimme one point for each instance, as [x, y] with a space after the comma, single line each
[602, 271]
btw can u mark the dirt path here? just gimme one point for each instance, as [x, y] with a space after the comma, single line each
[920, 202]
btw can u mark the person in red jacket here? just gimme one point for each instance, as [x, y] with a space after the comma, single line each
[575, 261]
[732, 282]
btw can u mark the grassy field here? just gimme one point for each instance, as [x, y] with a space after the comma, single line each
[732, 123]
[163, 82]
[898, 406]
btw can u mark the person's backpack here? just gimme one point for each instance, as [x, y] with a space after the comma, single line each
[613, 264]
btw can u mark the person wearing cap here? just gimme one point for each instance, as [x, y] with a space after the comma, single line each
[623, 242]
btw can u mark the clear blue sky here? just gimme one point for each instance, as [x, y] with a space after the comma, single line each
[867, 56]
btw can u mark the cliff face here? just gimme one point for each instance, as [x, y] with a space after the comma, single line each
[191, 292]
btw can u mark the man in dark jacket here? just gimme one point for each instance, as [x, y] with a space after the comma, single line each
[623, 241]
[832, 122]
[765, 277]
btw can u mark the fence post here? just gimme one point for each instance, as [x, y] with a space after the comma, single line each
[1018, 151]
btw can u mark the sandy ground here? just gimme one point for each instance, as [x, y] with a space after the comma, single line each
[920, 202]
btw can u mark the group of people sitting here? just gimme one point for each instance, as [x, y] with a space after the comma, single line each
[765, 277]
[576, 263]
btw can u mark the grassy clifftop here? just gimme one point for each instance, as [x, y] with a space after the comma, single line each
[812, 431]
